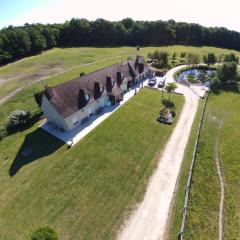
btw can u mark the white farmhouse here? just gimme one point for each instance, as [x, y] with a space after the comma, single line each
[72, 103]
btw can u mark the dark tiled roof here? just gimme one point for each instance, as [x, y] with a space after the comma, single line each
[67, 98]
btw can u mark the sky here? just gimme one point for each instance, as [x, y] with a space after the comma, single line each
[219, 13]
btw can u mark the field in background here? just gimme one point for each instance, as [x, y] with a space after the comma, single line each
[53, 62]
[86, 191]
[56, 61]
[202, 215]
[72, 61]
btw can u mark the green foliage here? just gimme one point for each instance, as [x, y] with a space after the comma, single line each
[174, 56]
[38, 42]
[210, 58]
[215, 84]
[18, 42]
[231, 58]
[168, 104]
[183, 55]
[202, 77]
[18, 119]
[170, 87]
[161, 57]
[191, 78]
[227, 72]
[44, 233]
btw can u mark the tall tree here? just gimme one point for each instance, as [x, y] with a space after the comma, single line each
[210, 59]
[231, 58]
[18, 42]
[170, 87]
[227, 72]
[38, 42]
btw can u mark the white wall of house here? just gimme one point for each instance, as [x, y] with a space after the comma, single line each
[52, 115]
[76, 118]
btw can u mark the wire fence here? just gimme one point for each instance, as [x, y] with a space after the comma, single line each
[190, 174]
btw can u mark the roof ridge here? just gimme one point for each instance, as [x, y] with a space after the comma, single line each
[74, 79]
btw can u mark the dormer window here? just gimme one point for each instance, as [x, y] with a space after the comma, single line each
[113, 82]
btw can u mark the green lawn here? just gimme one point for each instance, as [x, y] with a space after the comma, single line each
[202, 216]
[84, 192]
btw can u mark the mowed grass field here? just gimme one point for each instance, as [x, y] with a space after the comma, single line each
[60, 60]
[87, 191]
[222, 118]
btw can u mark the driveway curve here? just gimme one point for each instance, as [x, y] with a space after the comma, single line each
[149, 220]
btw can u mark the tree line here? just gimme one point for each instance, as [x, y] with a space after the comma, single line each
[31, 39]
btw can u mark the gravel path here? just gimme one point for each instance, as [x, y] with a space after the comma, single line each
[221, 180]
[149, 220]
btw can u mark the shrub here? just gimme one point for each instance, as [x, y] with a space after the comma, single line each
[18, 119]
[215, 83]
[210, 58]
[168, 104]
[231, 58]
[44, 233]
[183, 55]
[227, 72]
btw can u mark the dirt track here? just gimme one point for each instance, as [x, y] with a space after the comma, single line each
[149, 220]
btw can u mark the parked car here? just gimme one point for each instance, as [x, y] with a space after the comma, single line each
[161, 84]
[152, 82]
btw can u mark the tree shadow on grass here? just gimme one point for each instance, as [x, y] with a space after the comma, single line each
[36, 145]
[227, 87]
[231, 87]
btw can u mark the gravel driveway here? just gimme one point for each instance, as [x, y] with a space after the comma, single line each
[149, 220]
